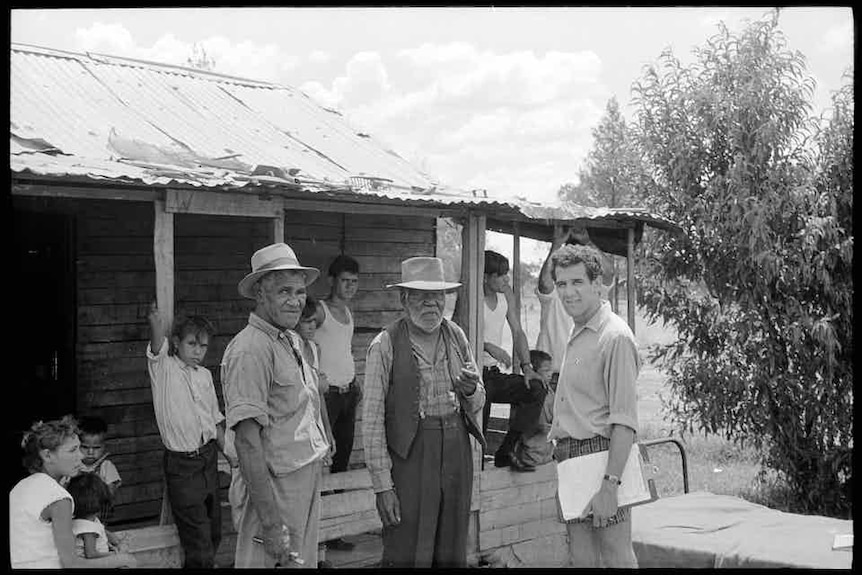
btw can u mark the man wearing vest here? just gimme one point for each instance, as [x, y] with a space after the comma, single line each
[527, 391]
[335, 337]
[423, 397]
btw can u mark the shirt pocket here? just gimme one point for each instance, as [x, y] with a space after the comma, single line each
[286, 391]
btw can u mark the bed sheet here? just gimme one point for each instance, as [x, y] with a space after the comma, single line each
[702, 529]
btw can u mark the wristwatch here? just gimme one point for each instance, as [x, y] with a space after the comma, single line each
[613, 479]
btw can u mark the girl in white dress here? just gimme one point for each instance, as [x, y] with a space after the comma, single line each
[40, 509]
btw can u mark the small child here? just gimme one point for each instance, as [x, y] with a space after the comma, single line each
[92, 432]
[192, 429]
[309, 321]
[535, 449]
[92, 499]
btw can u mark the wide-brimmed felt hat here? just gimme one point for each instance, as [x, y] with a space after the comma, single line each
[273, 258]
[424, 273]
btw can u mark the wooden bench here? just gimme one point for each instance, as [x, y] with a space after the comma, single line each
[348, 507]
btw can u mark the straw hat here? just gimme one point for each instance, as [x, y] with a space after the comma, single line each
[424, 273]
[273, 258]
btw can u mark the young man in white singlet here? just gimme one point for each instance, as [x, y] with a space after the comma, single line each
[335, 336]
[527, 390]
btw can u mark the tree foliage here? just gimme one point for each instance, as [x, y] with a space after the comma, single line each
[200, 59]
[759, 287]
[613, 175]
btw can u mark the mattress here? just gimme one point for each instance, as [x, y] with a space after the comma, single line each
[706, 530]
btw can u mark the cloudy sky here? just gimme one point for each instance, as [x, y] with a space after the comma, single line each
[502, 99]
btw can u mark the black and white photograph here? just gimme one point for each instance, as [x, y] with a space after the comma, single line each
[340, 287]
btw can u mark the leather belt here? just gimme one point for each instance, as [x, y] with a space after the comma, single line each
[338, 390]
[195, 453]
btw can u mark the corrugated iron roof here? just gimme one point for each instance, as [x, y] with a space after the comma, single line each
[106, 109]
[108, 118]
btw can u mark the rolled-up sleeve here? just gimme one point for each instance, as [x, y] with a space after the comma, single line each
[378, 365]
[246, 377]
[621, 366]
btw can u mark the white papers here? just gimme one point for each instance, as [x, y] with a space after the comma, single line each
[843, 541]
[579, 478]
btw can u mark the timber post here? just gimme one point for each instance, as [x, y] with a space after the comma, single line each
[516, 288]
[163, 256]
[278, 227]
[472, 268]
[630, 277]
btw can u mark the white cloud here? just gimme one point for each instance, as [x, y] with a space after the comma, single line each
[112, 39]
[838, 39]
[480, 128]
[245, 59]
[513, 78]
[366, 80]
[515, 123]
[319, 57]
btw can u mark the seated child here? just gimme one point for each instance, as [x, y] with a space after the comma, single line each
[92, 499]
[535, 449]
[92, 432]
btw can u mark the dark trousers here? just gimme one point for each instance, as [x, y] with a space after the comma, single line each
[193, 493]
[433, 484]
[341, 409]
[509, 388]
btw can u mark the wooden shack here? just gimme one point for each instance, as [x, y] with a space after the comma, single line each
[133, 181]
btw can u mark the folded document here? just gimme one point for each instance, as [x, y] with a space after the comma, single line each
[579, 478]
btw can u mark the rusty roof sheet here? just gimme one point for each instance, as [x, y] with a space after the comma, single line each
[108, 118]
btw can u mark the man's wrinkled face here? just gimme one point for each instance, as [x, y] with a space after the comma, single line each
[424, 308]
[280, 297]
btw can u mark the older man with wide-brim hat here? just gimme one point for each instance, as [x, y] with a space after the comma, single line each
[423, 399]
[273, 406]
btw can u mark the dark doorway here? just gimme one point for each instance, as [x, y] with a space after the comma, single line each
[43, 313]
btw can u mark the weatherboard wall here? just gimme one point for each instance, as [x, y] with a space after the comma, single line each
[115, 283]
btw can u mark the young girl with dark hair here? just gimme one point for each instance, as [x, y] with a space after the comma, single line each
[92, 498]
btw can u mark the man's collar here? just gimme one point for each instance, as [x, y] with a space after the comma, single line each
[272, 331]
[596, 320]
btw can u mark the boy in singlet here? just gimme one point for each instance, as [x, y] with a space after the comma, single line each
[527, 391]
[337, 371]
